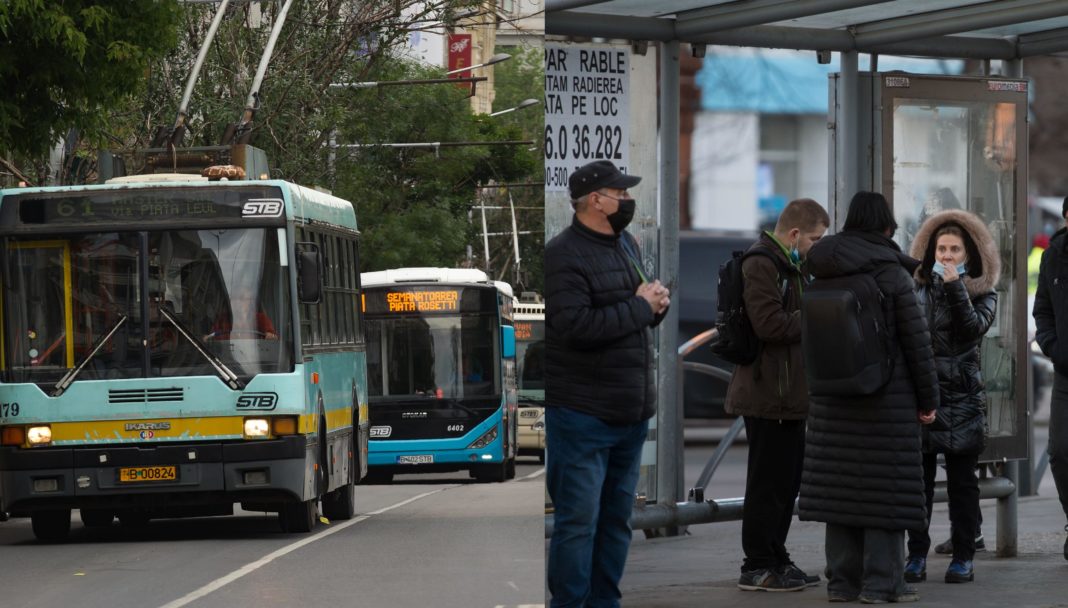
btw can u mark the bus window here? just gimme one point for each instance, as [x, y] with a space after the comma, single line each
[532, 366]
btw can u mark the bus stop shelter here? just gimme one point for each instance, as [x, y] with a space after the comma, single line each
[1005, 30]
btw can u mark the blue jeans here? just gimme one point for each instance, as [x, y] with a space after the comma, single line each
[591, 473]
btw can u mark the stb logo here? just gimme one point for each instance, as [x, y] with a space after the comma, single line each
[381, 431]
[460, 45]
[257, 401]
[262, 207]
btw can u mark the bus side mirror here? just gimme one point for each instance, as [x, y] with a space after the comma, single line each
[508, 341]
[309, 274]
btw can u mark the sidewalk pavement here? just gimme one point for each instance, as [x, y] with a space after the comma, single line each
[701, 569]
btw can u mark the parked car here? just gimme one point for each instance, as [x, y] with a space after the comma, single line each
[700, 256]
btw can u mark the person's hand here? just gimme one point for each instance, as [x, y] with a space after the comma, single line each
[656, 295]
[926, 417]
[270, 335]
[950, 273]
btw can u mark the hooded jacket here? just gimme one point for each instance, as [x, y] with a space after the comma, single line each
[598, 340]
[773, 386]
[958, 314]
[862, 464]
[1051, 302]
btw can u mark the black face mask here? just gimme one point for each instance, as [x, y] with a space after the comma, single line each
[623, 215]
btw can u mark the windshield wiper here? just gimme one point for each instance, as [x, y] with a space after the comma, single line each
[225, 373]
[68, 378]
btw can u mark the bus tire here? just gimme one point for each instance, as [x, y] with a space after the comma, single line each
[491, 473]
[51, 526]
[298, 516]
[509, 468]
[378, 476]
[323, 479]
[341, 503]
[97, 518]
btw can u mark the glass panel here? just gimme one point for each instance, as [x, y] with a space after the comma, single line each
[530, 355]
[952, 155]
[434, 357]
[226, 287]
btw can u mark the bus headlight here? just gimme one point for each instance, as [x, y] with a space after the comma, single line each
[538, 426]
[39, 435]
[257, 428]
[486, 439]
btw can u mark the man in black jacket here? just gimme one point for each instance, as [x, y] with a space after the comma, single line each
[600, 386]
[1051, 332]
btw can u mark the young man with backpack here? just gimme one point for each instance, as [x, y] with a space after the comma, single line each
[768, 389]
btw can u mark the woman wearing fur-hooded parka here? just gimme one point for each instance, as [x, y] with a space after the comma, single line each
[959, 267]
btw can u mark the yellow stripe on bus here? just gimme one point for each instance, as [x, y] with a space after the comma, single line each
[335, 419]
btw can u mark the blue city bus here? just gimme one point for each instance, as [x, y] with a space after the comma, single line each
[171, 346]
[440, 373]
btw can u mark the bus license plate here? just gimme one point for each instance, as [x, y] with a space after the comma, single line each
[529, 413]
[420, 459]
[142, 474]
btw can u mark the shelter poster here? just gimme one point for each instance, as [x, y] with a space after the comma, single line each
[587, 108]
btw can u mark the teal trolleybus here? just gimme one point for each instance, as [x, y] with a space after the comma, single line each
[171, 346]
[440, 372]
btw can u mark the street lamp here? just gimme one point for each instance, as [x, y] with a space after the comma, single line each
[499, 57]
[526, 103]
[385, 83]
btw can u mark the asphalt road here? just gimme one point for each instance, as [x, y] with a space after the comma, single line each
[437, 540]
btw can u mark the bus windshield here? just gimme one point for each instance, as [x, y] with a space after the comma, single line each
[425, 358]
[530, 356]
[228, 288]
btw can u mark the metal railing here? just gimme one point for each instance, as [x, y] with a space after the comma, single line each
[697, 510]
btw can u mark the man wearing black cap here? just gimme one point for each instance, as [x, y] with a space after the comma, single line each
[600, 386]
[1051, 333]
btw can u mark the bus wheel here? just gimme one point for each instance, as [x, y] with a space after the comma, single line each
[51, 526]
[298, 516]
[492, 473]
[341, 503]
[509, 468]
[376, 475]
[97, 518]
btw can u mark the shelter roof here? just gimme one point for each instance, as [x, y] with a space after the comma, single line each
[1001, 29]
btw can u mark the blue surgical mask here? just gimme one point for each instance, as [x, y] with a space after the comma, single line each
[795, 255]
[940, 269]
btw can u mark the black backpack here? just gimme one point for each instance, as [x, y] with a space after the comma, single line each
[737, 342]
[845, 336]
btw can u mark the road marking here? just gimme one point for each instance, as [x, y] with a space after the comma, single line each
[537, 473]
[520, 606]
[270, 557]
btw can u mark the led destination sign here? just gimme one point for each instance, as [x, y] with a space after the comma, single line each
[429, 300]
[148, 205]
[423, 301]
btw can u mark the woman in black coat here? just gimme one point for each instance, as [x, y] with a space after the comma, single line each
[862, 472]
[960, 266]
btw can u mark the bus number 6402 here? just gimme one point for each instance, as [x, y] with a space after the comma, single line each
[455, 428]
